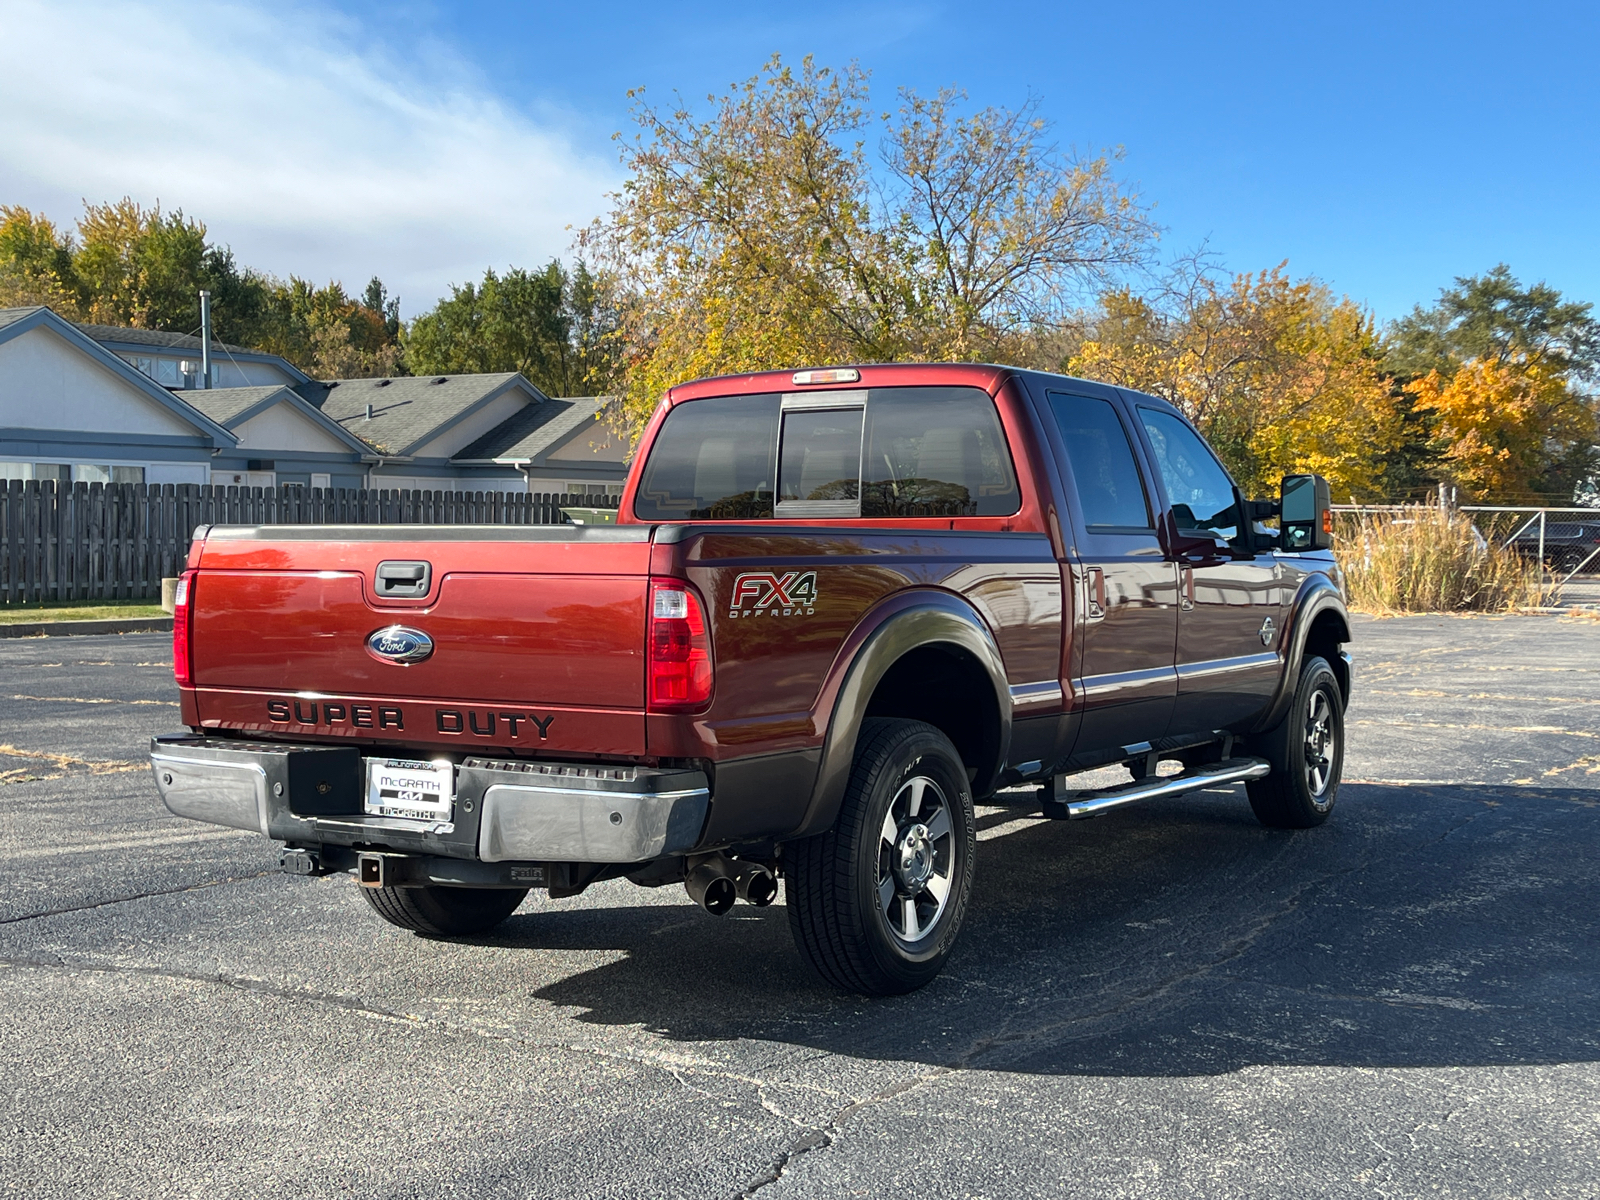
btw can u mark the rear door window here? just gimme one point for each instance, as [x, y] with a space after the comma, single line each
[1111, 495]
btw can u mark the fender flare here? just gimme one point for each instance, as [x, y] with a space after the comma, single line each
[907, 621]
[1318, 594]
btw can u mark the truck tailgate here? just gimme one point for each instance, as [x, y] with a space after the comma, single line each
[526, 623]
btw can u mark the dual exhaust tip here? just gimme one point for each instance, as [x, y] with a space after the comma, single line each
[718, 881]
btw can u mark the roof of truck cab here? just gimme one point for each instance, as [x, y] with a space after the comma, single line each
[985, 375]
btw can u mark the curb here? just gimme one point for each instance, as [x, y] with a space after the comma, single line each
[76, 628]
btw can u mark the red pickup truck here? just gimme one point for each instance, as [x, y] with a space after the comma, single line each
[838, 607]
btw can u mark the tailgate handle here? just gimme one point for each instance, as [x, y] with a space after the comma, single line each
[404, 578]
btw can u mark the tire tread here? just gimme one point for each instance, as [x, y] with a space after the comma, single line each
[817, 888]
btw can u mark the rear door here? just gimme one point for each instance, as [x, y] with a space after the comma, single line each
[1125, 584]
[1229, 655]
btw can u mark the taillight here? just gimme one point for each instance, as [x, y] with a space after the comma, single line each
[680, 650]
[182, 620]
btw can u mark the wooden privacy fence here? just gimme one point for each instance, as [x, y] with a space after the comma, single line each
[94, 541]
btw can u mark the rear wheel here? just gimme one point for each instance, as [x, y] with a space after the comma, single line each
[444, 911]
[1306, 751]
[876, 902]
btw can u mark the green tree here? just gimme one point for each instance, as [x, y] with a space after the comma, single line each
[552, 325]
[36, 262]
[327, 333]
[1493, 318]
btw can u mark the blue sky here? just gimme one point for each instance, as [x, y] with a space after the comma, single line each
[1383, 148]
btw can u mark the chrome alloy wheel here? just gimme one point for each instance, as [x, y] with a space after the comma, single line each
[916, 859]
[1321, 745]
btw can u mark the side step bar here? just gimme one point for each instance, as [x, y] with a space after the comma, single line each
[1060, 804]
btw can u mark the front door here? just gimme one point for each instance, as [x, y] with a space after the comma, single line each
[1229, 625]
[1124, 583]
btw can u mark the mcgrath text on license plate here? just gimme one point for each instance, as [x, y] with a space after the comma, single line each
[417, 791]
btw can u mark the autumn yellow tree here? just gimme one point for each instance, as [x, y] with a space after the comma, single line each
[767, 235]
[1499, 425]
[36, 262]
[1280, 375]
[1501, 375]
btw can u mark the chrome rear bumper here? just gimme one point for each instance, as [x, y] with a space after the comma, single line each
[505, 810]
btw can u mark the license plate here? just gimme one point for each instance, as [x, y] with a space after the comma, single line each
[414, 791]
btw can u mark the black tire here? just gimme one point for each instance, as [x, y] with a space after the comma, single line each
[444, 911]
[834, 883]
[1306, 751]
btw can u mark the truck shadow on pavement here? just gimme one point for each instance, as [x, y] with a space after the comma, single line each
[1424, 926]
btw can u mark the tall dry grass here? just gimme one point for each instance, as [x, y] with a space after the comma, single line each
[1421, 559]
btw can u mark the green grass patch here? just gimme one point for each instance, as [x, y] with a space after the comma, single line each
[27, 614]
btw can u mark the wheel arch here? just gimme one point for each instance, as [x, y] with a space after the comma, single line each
[1317, 624]
[926, 655]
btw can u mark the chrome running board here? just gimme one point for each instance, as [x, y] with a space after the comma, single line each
[1060, 803]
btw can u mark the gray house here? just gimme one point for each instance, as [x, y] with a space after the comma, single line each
[96, 403]
[487, 431]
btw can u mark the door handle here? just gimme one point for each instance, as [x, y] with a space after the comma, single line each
[1186, 587]
[1095, 581]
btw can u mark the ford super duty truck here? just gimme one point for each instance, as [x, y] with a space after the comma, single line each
[837, 607]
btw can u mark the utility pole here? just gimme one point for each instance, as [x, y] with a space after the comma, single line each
[205, 338]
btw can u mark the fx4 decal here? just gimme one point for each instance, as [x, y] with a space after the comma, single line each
[767, 593]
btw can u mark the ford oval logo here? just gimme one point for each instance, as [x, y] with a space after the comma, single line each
[399, 644]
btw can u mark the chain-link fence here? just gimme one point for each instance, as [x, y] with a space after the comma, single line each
[1562, 544]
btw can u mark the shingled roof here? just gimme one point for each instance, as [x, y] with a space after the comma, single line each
[537, 428]
[406, 412]
[229, 407]
[155, 337]
[8, 315]
[222, 405]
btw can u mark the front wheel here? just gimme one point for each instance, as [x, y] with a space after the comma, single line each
[1306, 751]
[444, 911]
[876, 902]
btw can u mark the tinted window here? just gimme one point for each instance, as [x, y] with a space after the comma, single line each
[821, 456]
[936, 452]
[1110, 492]
[1199, 490]
[712, 460]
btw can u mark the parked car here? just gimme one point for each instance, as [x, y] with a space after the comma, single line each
[1568, 545]
[838, 608]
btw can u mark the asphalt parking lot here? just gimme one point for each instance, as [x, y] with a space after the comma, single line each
[1166, 1001]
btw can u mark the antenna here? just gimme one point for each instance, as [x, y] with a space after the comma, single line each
[205, 338]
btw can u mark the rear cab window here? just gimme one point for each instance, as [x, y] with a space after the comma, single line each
[911, 452]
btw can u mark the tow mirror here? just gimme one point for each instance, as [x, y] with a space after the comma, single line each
[1306, 513]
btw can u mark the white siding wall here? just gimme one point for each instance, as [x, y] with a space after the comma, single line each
[45, 383]
[283, 429]
[595, 443]
[474, 427]
[226, 373]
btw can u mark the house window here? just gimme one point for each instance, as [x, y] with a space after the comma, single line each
[90, 473]
[127, 474]
[321, 481]
[167, 372]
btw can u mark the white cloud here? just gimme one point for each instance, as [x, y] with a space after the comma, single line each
[305, 150]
